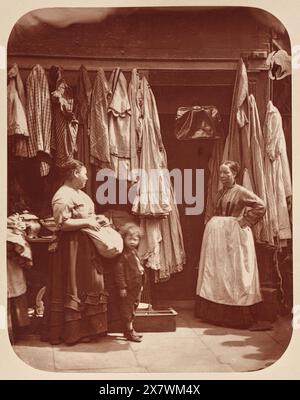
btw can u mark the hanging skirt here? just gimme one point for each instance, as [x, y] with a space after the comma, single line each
[228, 281]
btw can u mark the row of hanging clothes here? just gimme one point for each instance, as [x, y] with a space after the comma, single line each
[104, 124]
[262, 155]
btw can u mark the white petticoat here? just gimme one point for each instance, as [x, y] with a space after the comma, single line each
[228, 272]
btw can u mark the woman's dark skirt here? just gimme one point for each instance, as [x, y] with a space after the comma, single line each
[239, 317]
[75, 300]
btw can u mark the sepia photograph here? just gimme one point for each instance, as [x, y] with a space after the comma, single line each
[149, 189]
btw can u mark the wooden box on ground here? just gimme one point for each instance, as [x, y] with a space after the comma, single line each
[150, 321]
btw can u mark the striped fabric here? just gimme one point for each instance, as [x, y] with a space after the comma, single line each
[38, 115]
[99, 139]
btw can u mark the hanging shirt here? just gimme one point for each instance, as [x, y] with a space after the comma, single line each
[38, 115]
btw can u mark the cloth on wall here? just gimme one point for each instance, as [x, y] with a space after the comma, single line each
[262, 230]
[277, 173]
[83, 101]
[153, 194]
[149, 248]
[136, 120]
[64, 123]
[238, 138]
[119, 116]
[38, 111]
[213, 180]
[162, 244]
[172, 250]
[99, 137]
[16, 114]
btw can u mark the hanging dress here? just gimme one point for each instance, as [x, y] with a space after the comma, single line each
[38, 111]
[64, 123]
[162, 244]
[119, 114]
[99, 137]
[153, 189]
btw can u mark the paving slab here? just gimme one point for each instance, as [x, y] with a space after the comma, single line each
[38, 357]
[107, 353]
[180, 354]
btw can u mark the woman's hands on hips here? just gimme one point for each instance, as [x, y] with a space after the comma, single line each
[243, 224]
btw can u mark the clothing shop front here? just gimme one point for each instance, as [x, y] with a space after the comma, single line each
[178, 88]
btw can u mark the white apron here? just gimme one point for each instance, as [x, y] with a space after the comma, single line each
[228, 272]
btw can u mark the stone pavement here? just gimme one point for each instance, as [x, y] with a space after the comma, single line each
[194, 347]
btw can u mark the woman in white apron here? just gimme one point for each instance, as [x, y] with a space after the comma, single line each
[228, 283]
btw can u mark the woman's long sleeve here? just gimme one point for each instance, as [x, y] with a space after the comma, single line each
[255, 207]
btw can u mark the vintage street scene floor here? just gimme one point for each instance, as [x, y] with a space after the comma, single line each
[195, 346]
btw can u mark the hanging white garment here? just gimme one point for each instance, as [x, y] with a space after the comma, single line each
[275, 146]
[119, 113]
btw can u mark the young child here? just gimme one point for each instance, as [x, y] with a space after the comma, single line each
[128, 276]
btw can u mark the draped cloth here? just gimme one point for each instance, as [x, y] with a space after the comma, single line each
[162, 244]
[99, 136]
[39, 117]
[153, 195]
[136, 120]
[83, 102]
[64, 123]
[16, 114]
[277, 173]
[119, 116]
[238, 135]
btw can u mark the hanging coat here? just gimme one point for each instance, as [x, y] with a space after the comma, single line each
[99, 139]
[64, 123]
[38, 110]
[16, 116]
[274, 147]
[119, 114]
[237, 143]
